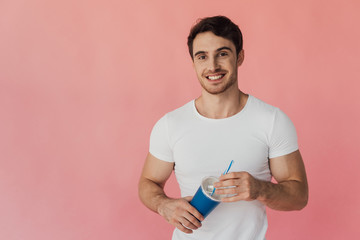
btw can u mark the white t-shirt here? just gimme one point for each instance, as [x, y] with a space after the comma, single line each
[201, 146]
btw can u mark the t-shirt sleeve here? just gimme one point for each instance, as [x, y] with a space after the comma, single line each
[283, 137]
[159, 141]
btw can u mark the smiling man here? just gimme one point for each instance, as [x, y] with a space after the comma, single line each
[200, 138]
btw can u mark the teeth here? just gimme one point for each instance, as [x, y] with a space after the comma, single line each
[215, 77]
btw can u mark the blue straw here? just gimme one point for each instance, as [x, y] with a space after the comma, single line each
[226, 171]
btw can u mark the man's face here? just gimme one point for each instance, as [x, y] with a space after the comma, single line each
[215, 62]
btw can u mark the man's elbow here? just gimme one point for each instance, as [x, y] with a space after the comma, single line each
[302, 202]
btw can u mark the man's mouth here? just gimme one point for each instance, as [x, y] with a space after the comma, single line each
[215, 77]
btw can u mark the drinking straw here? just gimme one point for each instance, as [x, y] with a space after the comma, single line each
[225, 172]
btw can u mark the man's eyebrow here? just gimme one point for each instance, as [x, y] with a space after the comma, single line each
[199, 52]
[223, 48]
[218, 50]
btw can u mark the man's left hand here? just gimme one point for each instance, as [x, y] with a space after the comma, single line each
[241, 184]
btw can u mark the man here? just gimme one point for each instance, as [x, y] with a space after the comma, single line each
[200, 139]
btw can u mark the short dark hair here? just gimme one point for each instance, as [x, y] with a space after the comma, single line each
[219, 25]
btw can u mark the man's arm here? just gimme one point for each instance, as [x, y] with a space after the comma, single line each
[289, 193]
[177, 212]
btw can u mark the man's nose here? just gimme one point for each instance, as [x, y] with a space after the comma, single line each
[213, 64]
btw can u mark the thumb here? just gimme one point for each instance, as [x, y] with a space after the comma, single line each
[188, 198]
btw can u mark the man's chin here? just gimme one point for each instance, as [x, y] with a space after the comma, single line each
[216, 90]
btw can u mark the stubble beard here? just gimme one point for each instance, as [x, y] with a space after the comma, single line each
[219, 89]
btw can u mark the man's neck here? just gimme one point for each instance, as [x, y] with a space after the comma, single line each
[222, 105]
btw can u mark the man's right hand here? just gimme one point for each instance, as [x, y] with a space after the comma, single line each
[177, 212]
[181, 214]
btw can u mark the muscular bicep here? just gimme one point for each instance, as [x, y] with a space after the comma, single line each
[288, 167]
[157, 170]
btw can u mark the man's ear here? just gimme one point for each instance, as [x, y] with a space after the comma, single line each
[240, 58]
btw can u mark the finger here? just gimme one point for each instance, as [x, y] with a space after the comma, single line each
[228, 176]
[232, 175]
[244, 196]
[232, 190]
[186, 223]
[194, 221]
[193, 211]
[227, 183]
[188, 198]
[179, 226]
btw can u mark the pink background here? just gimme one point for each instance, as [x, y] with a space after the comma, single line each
[83, 82]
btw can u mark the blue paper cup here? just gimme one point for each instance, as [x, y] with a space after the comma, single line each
[202, 200]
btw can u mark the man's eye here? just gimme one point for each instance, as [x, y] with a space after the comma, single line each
[201, 57]
[223, 54]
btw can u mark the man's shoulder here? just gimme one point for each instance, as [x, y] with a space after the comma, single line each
[178, 118]
[181, 112]
[177, 115]
[267, 113]
[261, 106]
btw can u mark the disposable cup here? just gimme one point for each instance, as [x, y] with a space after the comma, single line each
[202, 200]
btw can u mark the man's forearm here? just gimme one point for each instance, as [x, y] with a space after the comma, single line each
[151, 194]
[285, 196]
[177, 212]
